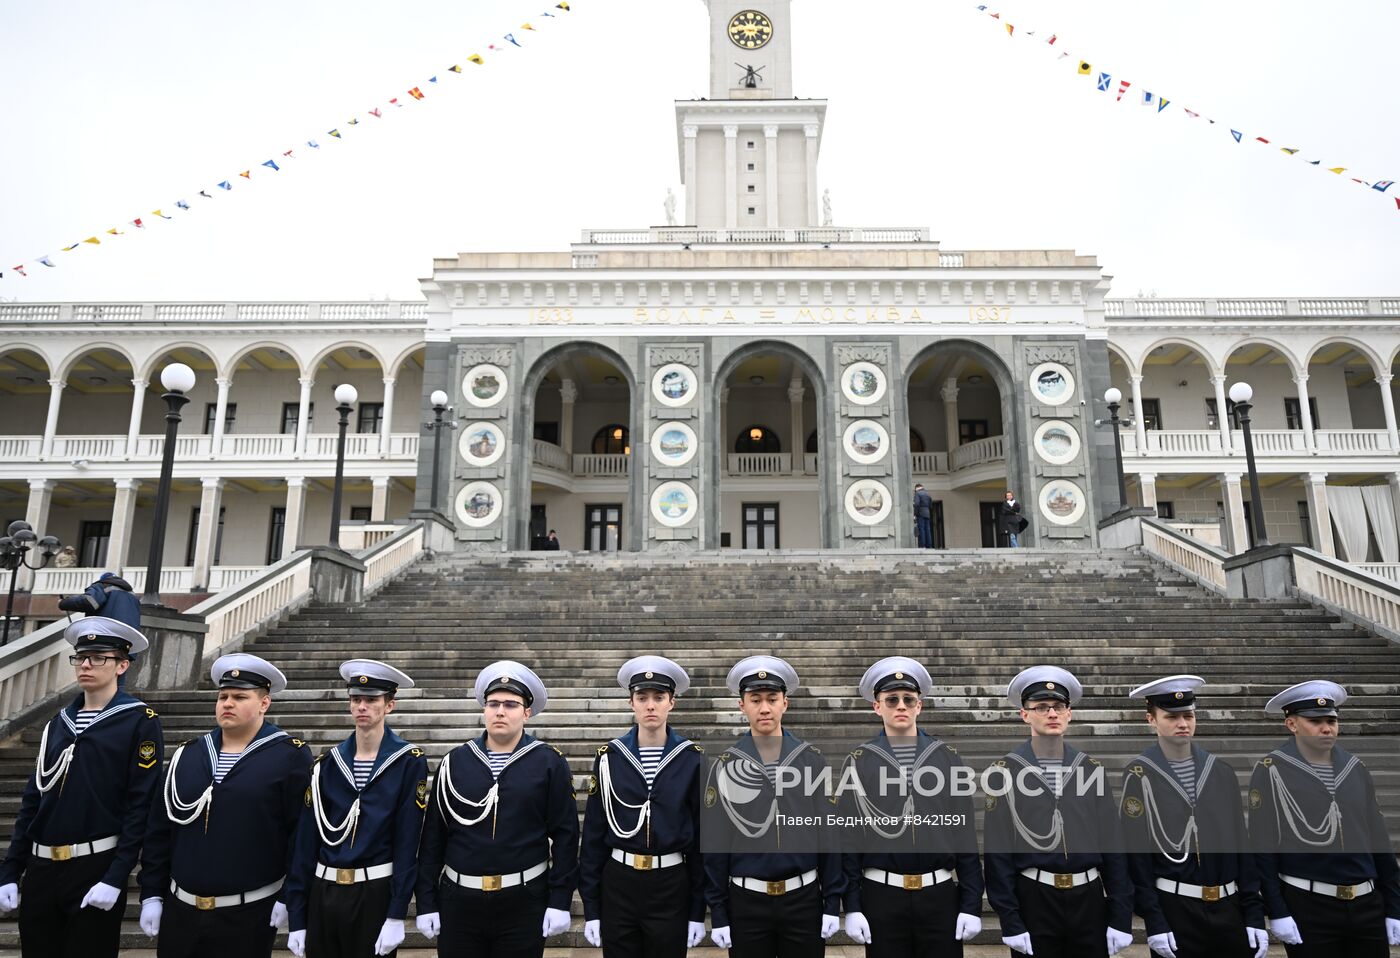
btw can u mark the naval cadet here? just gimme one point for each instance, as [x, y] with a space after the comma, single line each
[1194, 881]
[498, 861]
[356, 854]
[640, 873]
[913, 876]
[219, 844]
[83, 812]
[1056, 873]
[1327, 869]
[772, 889]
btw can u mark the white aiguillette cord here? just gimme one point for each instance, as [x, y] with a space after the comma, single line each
[445, 787]
[1158, 828]
[1327, 830]
[173, 801]
[46, 778]
[346, 828]
[605, 776]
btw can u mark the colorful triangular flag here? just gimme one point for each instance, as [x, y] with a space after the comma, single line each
[1382, 185]
[416, 93]
[246, 174]
[334, 133]
[273, 165]
[116, 232]
[45, 261]
[313, 144]
[208, 197]
[375, 112]
[1261, 139]
[93, 240]
[511, 38]
[73, 247]
[1239, 137]
[455, 68]
[225, 185]
[138, 224]
[1162, 103]
[1288, 149]
[1147, 98]
[20, 269]
[182, 205]
[476, 58]
[1123, 88]
[160, 214]
[1010, 30]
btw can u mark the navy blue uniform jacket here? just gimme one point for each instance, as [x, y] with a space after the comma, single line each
[535, 820]
[110, 597]
[387, 830]
[110, 784]
[1091, 836]
[243, 840]
[937, 830]
[674, 825]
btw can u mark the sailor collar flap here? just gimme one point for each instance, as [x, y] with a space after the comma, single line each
[119, 704]
[1072, 760]
[932, 745]
[1204, 762]
[675, 745]
[266, 735]
[1350, 762]
[344, 757]
[785, 759]
[526, 746]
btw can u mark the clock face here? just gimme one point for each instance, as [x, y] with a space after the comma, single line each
[750, 29]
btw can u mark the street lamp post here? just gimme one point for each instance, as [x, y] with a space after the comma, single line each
[345, 395]
[439, 401]
[1240, 395]
[19, 540]
[1113, 396]
[177, 379]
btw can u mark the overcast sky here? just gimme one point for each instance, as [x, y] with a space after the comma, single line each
[936, 118]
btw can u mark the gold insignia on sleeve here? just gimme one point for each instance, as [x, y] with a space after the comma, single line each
[991, 802]
[1137, 770]
[298, 743]
[146, 755]
[711, 796]
[420, 794]
[150, 712]
[1255, 799]
[858, 753]
[602, 749]
[307, 797]
[698, 748]
[556, 751]
[1001, 763]
[1266, 761]
[1094, 761]
[951, 749]
[416, 753]
[593, 785]
[1132, 808]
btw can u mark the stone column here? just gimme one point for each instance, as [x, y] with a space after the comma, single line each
[731, 176]
[37, 515]
[770, 170]
[138, 401]
[379, 505]
[1139, 420]
[386, 426]
[1388, 403]
[949, 392]
[690, 166]
[1319, 519]
[1236, 533]
[207, 538]
[296, 514]
[1222, 416]
[216, 443]
[811, 131]
[1147, 489]
[1309, 440]
[568, 393]
[123, 516]
[796, 391]
[303, 416]
[723, 438]
[51, 423]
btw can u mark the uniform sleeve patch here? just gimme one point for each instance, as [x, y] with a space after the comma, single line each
[307, 797]
[711, 796]
[698, 748]
[1255, 799]
[416, 752]
[421, 794]
[991, 802]
[150, 712]
[1132, 808]
[593, 785]
[146, 754]
[298, 743]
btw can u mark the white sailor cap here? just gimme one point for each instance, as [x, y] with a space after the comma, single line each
[1316, 698]
[97, 633]
[239, 670]
[894, 672]
[762, 673]
[508, 676]
[1175, 693]
[653, 672]
[1044, 682]
[368, 677]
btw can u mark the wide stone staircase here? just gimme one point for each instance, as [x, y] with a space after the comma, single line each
[1115, 619]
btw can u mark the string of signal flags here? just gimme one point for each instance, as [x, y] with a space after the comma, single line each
[338, 133]
[1105, 82]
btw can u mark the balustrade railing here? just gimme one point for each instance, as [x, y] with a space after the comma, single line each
[760, 464]
[551, 456]
[599, 464]
[977, 452]
[1202, 562]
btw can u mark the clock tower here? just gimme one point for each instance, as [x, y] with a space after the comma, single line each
[749, 152]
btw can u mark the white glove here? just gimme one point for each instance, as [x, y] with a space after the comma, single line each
[830, 925]
[593, 933]
[296, 943]
[555, 922]
[1285, 930]
[720, 936]
[969, 927]
[1164, 944]
[1118, 940]
[694, 933]
[1021, 943]
[279, 917]
[428, 925]
[150, 916]
[9, 897]
[390, 936]
[857, 928]
[1392, 931]
[1259, 941]
[101, 896]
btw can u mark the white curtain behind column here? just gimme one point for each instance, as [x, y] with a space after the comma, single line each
[1349, 513]
[1381, 510]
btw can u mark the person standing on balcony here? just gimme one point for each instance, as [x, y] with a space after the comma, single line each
[1056, 873]
[1183, 826]
[773, 889]
[1010, 522]
[640, 873]
[83, 813]
[218, 847]
[110, 597]
[551, 541]
[923, 517]
[913, 876]
[498, 861]
[1326, 864]
[355, 862]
